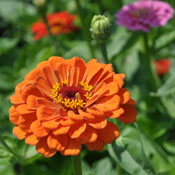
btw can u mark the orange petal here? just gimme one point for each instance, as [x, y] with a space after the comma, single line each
[61, 130]
[79, 63]
[97, 93]
[74, 116]
[89, 135]
[38, 129]
[77, 129]
[45, 113]
[44, 102]
[129, 115]
[107, 89]
[95, 146]
[124, 95]
[31, 139]
[73, 76]
[109, 133]
[13, 115]
[30, 90]
[119, 79]
[43, 148]
[53, 60]
[103, 90]
[44, 86]
[62, 68]
[72, 149]
[98, 122]
[20, 86]
[18, 132]
[16, 99]
[86, 115]
[108, 103]
[94, 112]
[114, 114]
[26, 120]
[32, 102]
[51, 124]
[92, 69]
[49, 75]
[112, 88]
[102, 74]
[57, 142]
[67, 122]
[34, 74]
[22, 109]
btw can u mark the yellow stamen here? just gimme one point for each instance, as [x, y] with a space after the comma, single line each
[55, 90]
[65, 82]
[68, 102]
[88, 95]
[86, 86]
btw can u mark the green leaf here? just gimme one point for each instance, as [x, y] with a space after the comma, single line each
[86, 168]
[169, 103]
[128, 152]
[119, 40]
[155, 153]
[128, 62]
[164, 40]
[6, 167]
[81, 50]
[12, 10]
[167, 88]
[4, 107]
[131, 62]
[169, 146]
[122, 43]
[7, 79]
[120, 154]
[6, 44]
[102, 167]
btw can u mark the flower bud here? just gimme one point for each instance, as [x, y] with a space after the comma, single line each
[39, 3]
[100, 28]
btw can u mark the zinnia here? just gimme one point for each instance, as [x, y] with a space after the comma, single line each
[62, 104]
[162, 66]
[59, 22]
[142, 15]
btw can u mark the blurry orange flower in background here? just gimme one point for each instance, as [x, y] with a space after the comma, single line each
[162, 66]
[62, 104]
[59, 23]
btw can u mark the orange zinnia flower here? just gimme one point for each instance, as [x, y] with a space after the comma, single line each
[59, 22]
[63, 104]
[162, 66]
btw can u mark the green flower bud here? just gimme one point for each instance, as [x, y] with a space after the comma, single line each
[100, 28]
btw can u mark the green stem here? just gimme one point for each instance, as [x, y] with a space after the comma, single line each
[151, 74]
[76, 163]
[119, 170]
[101, 7]
[8, 148]
[85, 28]
[105, 55]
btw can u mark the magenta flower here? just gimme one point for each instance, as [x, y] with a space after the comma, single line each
[142, 15]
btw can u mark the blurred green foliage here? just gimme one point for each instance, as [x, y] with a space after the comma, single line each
[145, 148]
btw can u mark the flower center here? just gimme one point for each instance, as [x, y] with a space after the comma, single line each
[73, 92]
[139, 13]
[71, 98]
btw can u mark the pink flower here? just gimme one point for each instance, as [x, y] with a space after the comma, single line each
[142, 15]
